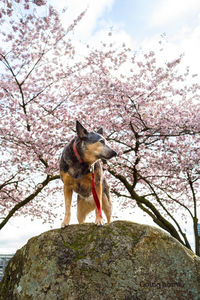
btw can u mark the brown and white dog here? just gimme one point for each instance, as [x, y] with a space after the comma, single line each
[83, 151]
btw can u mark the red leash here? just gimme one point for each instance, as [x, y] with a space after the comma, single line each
[94, 193]
[95, 196]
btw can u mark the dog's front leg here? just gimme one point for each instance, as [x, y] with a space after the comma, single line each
[68, 199]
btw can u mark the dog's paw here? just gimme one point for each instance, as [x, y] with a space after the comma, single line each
[63, 225]
[99, 221]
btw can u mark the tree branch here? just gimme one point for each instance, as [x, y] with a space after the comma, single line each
[28, 199]
[149, 208]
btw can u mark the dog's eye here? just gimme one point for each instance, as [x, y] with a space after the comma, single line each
[102, 141]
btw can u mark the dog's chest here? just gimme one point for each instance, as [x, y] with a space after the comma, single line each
[83, 190]
[83, 186]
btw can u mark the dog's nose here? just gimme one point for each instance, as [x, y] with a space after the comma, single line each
[114, 153]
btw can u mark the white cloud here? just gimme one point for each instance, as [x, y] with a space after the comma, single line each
[189, 43]
[172, 10]
[117, 39]
[95, 9]
[184, 41]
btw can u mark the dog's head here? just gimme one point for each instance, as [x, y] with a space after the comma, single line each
[93, 145]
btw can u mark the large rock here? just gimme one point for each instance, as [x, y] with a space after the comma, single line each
[122, 260]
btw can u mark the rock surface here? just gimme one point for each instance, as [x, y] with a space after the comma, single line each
[122, 260]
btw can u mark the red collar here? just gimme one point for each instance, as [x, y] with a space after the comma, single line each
[76, 153]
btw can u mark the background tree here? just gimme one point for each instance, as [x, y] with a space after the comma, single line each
[150, 113]
[36, 82]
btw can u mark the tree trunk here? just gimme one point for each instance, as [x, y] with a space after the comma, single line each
[196, 236]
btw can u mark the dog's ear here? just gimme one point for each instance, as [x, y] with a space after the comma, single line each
[100, 131]
[81, 131]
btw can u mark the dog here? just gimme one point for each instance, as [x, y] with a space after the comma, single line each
[78, 159]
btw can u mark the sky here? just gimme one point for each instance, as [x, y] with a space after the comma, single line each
[171, 25]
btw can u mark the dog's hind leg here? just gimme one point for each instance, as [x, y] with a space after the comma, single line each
[84, 207]
[107, 207]
[106, 201]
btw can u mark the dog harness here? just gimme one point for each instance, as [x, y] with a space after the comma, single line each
[94, 193]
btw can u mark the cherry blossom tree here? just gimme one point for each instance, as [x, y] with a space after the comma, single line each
[150, 113]
[36, 83]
